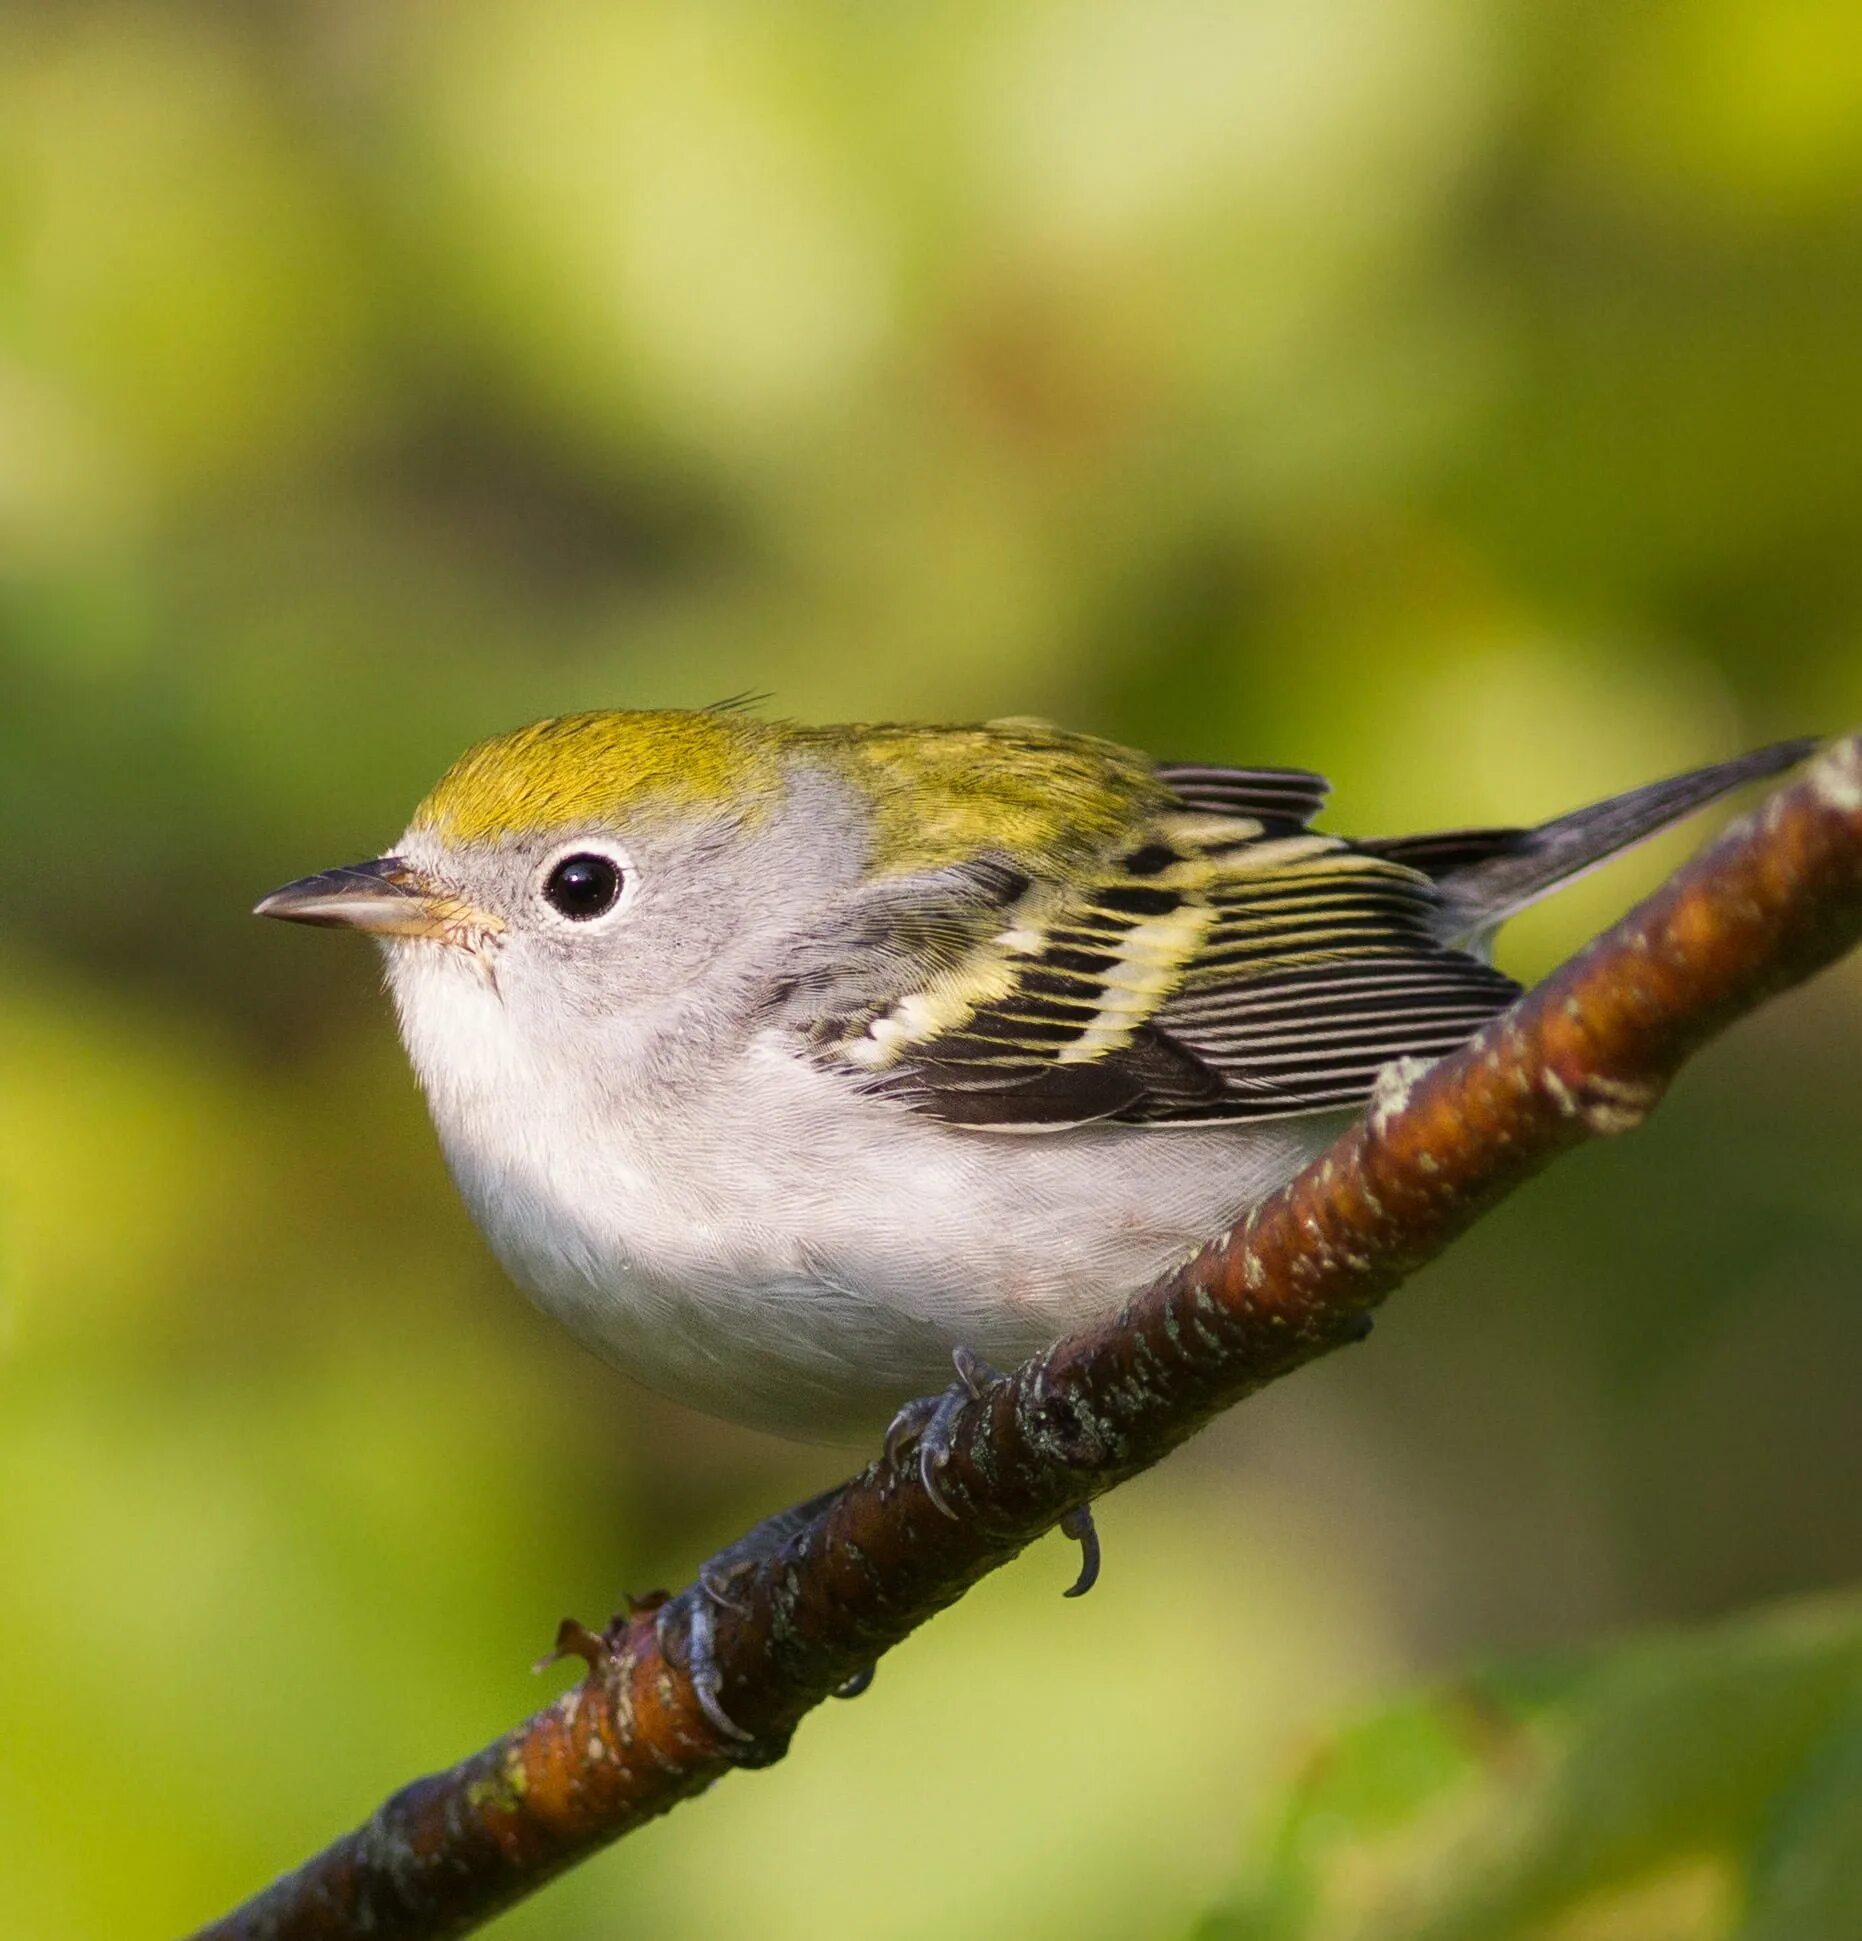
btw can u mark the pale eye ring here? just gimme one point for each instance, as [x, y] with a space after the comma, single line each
[584, 885]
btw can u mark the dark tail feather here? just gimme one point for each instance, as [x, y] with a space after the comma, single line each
[1488, 874]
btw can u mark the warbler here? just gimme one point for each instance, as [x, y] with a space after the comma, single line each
[781, 1062]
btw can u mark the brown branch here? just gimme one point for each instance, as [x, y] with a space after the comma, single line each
[1589, 1051]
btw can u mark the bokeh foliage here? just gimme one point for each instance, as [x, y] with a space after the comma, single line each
[1457, 396]
[1686, 1788]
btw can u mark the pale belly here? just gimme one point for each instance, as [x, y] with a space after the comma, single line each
[809, 1261]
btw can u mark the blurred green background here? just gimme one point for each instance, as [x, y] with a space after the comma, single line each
[1462, 398]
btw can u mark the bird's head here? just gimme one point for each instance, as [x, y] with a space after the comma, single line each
[590, 871]
[603, 880]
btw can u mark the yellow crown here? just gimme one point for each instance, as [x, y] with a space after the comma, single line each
[600, 767]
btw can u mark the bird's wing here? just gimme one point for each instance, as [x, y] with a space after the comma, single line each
[1229, 965]
[1293, 795]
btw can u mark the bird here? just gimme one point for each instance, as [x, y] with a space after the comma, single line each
[779, 1062]
[785, 1064]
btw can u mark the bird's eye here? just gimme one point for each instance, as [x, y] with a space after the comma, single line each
[581, 887]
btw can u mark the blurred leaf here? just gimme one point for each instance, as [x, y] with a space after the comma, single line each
[184, 276]
[1685, 1788]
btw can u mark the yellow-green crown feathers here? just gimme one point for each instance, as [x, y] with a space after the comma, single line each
[937, 794]
[577, 769]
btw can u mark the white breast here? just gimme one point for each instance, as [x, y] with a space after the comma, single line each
[760, 1240]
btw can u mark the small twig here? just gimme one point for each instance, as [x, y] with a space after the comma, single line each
[1589, 1051]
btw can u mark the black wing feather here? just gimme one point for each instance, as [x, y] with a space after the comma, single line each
[1447, 850]
[1219, 963]
[1248, 977]
[1291, 796]
[1302, 1041]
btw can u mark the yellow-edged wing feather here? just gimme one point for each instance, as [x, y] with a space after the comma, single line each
[1230, 965]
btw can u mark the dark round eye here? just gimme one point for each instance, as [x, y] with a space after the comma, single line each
[581, 887]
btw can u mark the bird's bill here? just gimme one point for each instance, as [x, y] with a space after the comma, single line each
[386, 897]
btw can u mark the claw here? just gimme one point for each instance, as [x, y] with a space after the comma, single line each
[934, 1444]
[929, 1421]
[909, 1425]
[686, 1625]
[857, 1684]
[716, 1584]
[975, 1375]
[1078, 1524]
[701, 1662]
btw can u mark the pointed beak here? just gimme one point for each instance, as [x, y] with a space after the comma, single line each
[388, 898]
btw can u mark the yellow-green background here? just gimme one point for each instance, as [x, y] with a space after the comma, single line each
[1460, 397]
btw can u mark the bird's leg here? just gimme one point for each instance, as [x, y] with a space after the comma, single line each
[685, 1625]
[724, 1569]
[927, 1424]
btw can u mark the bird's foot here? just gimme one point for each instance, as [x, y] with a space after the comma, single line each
[686, 1629]
[686, 1625]
[927, 1425]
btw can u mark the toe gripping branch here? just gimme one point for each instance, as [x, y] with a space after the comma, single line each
[929, 1425]
[921, 1439]
[686, 1625]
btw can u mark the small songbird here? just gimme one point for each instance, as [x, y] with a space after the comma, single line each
[779, 1062]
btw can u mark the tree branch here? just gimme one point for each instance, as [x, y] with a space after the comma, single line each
[1589, 1051]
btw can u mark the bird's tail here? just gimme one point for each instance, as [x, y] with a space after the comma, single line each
[1486, 875]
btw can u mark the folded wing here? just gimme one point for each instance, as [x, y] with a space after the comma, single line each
[1230, 966]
